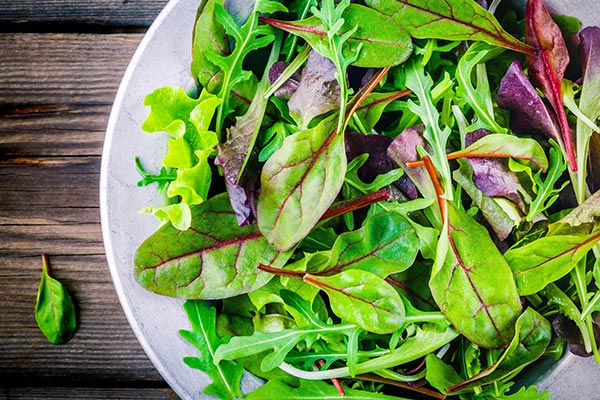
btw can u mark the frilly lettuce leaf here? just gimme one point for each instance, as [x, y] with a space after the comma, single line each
[190, 145]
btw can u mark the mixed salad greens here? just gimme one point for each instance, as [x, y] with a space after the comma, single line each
[380, 198]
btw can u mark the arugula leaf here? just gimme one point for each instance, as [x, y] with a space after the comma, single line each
[478, 96]
[248, 37]
[225, 375]
[276, 390]
[163, 178]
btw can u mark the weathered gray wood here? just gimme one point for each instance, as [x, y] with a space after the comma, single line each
[55, 97]
[136, 13]
[86, 393]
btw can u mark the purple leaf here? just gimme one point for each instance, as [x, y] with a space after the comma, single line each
[492, 176]
[378, 162]
[290, 86]
[547, 66]
[318, 91]
[404, 150]
[529, 114]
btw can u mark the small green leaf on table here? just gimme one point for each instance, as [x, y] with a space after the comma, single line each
[54, 308]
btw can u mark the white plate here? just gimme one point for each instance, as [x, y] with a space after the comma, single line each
[163, 59]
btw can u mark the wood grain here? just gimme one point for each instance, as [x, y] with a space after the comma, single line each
[124, 13]
[55, 96]
[86, 393]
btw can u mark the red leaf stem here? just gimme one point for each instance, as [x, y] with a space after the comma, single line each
[345, 206]
[335, 381]
[281, 272]
[439, 191]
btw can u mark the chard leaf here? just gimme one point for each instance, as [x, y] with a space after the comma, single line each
[215, 258]
[318, 91]
[299, 183]
[504, 146]
[548, 64]
[448, 20]
[385, 245]
[493, 213]
[54, 308]
[310, 390]
[225, 375]
[381, 40]
[478, 96]
[465, 282]
[547, 259]
[371, 109]
[529, 114]
[362, 298]
[208, 36]
[532, 335]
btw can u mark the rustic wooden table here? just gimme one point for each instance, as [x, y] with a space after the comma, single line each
[61, 62]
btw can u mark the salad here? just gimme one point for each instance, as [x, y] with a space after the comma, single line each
[380, 199]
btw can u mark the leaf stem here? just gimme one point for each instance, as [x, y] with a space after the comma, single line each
[439, 191]
[345, 206]
[46, 263]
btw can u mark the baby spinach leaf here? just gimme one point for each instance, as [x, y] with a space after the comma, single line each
[448, 20]
[318, 91]
[548, 64]
[385, 245]
[532, 335]
[362, 298]
[225, 375]
[382, 41]
[547, 259]
[54, 308]
[465, 282]
[215, 258]
[528, 112]
[299, 183]
[310, 390]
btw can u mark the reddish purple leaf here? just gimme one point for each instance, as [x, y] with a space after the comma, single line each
[547, 66]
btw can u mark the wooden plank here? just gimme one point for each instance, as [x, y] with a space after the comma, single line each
[56, 91]
[137, 13]
[85, 393]
[55, 96]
